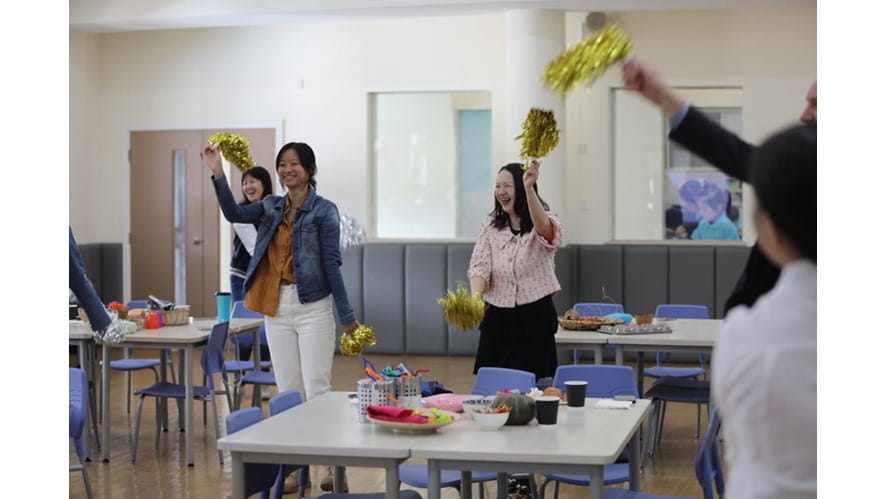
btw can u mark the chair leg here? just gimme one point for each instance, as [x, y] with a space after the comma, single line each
[480, 490]
[698, 415]
[212, 399]
[86, 482]
[545, 482]
[180, 406]
[557, 489]
[534, 493]
[158, 412]
[128, 391]
[93, 418]
[134, 443]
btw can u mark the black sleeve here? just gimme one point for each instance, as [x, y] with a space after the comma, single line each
[713, 143]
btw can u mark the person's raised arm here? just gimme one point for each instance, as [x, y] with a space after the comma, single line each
[541, 221]
[233, 212]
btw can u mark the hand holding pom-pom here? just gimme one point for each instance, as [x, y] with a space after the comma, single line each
[462, 310]
[352, 343]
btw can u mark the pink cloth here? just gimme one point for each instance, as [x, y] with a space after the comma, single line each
[518, 269]
[446, 401]
[392, 413]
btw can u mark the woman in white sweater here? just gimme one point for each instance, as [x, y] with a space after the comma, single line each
[764, 364]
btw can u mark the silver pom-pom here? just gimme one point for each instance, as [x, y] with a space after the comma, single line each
[351, 232]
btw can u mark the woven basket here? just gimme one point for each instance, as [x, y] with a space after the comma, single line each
[177, 316]
[577, 325]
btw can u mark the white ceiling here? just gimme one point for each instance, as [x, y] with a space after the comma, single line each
[107, 16]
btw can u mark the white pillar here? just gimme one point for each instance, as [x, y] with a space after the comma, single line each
[532, 39]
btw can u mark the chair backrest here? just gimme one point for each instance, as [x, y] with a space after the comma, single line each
[284, 400]
[137, 304]
[213, 359]
[603, 380]
[682, 311]
[598, 309]
[708, 461]
[490, 380]
[257, 477]
[77, 395]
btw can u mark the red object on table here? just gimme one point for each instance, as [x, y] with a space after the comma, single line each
[153, 320]
[391, 413]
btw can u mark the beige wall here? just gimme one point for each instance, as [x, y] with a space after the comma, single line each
[315, 77]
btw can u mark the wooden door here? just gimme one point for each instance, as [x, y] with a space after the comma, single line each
[152, 228]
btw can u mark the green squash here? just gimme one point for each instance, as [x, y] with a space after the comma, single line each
[523, 408]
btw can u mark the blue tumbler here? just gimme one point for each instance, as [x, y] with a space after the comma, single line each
[223, 306]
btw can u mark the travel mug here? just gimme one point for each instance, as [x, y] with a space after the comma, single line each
[223, 306]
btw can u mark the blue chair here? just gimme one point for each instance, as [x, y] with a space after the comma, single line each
[489, 380]
[604, 381]
[128, 364]
[680, 312]
[279, 403]
[599, 310]
[690, 391]
[257, 477]
[244, 370]
[78, 393]
[708, 468]
[211, 362]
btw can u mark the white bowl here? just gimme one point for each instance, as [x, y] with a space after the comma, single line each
[491, 421]
[469, 406]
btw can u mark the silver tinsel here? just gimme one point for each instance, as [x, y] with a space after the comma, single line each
[351, 232]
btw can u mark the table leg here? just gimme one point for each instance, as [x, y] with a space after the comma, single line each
[640, 373]
[339, 479]
[83, 358]
[106, 403]
[433, 479]
[189, 404]
[238, 487]
[596, 487]
[501, 485]
[392, 477]
[94, 383]
[465, 485]
[634, 460]
[164, 415]
[619, 355]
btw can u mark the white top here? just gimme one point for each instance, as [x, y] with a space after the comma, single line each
[764, 380]
[247, 234]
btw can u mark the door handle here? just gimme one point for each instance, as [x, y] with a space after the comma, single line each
[196, 240]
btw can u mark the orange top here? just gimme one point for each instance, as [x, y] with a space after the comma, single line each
[276, 267]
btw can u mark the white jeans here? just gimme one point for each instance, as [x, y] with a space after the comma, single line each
[301, 338]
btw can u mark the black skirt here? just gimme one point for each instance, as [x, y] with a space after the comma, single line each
[519, 338]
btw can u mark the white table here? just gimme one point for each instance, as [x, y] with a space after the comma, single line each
[582, 442]
[582, 340]
[323, 430]
[184, 338]
[688, 335]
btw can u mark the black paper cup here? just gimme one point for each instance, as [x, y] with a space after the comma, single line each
[576, 393]
[546, 410]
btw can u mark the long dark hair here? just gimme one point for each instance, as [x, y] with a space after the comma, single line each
[306, 158]
[261, 174]
[521, 209]
[783, 173]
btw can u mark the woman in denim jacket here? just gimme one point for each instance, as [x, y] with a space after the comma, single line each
[294, 274]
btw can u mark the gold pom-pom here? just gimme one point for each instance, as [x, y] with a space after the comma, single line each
[234, 148]
[353, 345]
[540, 135]
[585, 61]
[461, 309]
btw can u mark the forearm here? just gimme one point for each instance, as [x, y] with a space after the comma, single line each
[478, 285]
[234, 212]
[541, 221]
[83, 289]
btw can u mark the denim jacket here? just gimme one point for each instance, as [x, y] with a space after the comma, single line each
[316, 255]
